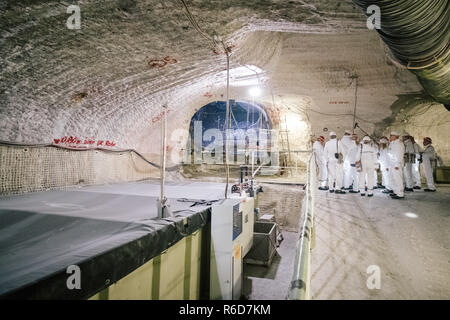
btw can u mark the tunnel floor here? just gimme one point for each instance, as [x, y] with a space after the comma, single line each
[272, 283]
[409, 240]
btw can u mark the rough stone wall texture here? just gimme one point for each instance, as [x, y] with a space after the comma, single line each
[285, 202]
[96, 82]
[416, 119]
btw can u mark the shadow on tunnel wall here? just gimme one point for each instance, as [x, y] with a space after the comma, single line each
[421, 116]
[404, 103]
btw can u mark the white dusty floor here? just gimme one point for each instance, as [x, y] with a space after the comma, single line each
[353, 233]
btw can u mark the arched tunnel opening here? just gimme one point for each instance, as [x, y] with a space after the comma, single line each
[224, 150]
[249, 128]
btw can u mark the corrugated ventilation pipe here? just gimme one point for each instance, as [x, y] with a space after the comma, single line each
[418, 34]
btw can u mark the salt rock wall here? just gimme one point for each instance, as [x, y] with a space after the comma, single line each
[421, 117]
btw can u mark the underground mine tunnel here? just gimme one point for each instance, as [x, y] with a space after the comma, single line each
[224, 150]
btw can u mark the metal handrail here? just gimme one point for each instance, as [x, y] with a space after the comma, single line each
[301, 279]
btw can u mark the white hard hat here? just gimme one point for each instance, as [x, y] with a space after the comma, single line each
[332, 133]
[366, 138]
[394, 133]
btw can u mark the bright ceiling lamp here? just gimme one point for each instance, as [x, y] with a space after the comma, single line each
[255, 92]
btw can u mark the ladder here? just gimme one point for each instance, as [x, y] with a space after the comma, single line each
[284, 141]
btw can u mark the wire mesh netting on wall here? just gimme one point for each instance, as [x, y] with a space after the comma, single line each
[37, 169]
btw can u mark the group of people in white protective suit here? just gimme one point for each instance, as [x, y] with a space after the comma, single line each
[348, 164]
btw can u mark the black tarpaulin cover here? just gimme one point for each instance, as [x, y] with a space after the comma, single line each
[108, 231]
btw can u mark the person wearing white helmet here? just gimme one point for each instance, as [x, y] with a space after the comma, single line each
[375, 172]
[383, 159]
[348, 144]
[415, 166]
[412, 150]
[366, 159]
[428, 156]
[334, 156]
[318, 147]
[396, 153]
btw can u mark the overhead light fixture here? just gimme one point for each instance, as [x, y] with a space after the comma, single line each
[246, 76]
[254, 91]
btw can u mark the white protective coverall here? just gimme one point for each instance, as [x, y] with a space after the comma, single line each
[396, 151]
[375, 173]
[334, 170]
[353, 176]
[429, 155]
[347, 144]
[367, 154]
[384, 165]
[415, 166]
[321, 163]
[416, 174]
[412, 150]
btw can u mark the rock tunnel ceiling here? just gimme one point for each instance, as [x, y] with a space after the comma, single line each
[107, 80]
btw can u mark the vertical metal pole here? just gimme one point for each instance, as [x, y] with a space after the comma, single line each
[163, 155]
[253, 110]
[356, 97]
[248, 113]
[253, 159]
[227, 122]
